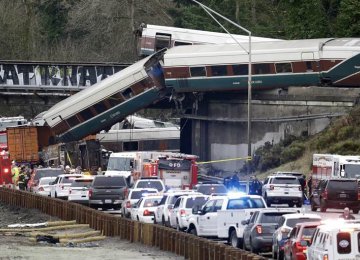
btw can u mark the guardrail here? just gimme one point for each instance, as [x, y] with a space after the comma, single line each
[166, 239]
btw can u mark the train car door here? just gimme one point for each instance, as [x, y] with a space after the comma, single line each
[162, 40]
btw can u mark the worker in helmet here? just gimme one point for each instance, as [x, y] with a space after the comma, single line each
[346, 214]
[67, 169]
[15, 174]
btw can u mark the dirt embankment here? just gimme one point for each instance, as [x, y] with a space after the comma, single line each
[21, 248]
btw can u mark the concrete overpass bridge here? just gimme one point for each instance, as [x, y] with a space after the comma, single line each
[213, 124]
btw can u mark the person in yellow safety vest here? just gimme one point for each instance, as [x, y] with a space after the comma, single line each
[15, 173]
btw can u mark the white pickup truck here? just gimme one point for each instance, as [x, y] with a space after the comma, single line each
[221, 217]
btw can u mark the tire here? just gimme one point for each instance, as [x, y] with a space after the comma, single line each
[299, 204]
[273, 253]
[291, 204]
[244, 245]
[178, 226]
[312, 206]
[280, 254]
[193, 231]
[322, 206]
[163, 222]
[234, 241]
[252, 249]
[355, 211]
[55, 195]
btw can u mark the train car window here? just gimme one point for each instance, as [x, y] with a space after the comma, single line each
[73, 121]
[100, 107]
[197, 71]
[128, 93]
[283, 67]
[130, 146]
[115, 99]
[86, 114]
[262, 68]
[219, 70]
[177, 43]
[162, 40]
[308, 66]
[242, 69]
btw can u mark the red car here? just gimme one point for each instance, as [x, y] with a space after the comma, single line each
[298, 240]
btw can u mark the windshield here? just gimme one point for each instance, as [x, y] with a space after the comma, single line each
[352, 170]
[210, 189]
[81, 183]
[109, 181]
[138, 194]
[343, 185]
[293, 221]
[308, 232]
[46, 181]
[285, 181]
[47, 173]
[150, 184]
[272, 217]
[245, 203]
[69, 179]
[3, 138]
[151, 202]
[120, 164]
[198, 201]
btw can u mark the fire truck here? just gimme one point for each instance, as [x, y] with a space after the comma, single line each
[327, 166]
[177, 170]
[5, 168]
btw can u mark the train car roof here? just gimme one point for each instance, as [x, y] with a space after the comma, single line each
[198, 35]
[96, 89]
[261, 51]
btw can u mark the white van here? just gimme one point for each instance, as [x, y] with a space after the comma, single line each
[337, 240]
[121, 164]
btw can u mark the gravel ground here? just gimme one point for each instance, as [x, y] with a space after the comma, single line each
[21, 248]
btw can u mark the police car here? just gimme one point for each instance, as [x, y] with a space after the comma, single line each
[338, 239]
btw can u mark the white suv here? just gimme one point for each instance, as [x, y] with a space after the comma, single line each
[166, 205]
[281, 189]
[335, 241]
[150, 183]
[179, 216]
[60, 187]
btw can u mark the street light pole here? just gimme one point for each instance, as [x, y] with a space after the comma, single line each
[209, 11]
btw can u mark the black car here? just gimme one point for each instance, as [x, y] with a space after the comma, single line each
[336, 194]
[260, 229]
[107, 191]
[211, 188]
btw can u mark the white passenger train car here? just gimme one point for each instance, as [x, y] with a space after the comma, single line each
[155, 37]
[274, 65]
[100, 106]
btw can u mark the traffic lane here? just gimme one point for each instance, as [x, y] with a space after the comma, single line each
[330, 213]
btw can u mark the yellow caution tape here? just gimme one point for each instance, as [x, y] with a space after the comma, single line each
[247, 158]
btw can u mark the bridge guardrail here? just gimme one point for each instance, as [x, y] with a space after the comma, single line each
[164, 238]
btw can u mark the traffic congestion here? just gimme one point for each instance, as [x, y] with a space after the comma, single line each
[277, 217]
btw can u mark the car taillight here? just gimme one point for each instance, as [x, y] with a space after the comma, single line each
[62, 187]
[299, 247]
[358, 195]
[182, 212]
[325, 257]
[128, 204]
[259, 229]
[90, 193]
[147, 213]
[300, 188]
[41, 189]
[325, 194]
[6, 170]
[126, 192]
[271, 187]
[69, 191]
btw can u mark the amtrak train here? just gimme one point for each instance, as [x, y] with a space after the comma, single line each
[203, 68]
[152, 38]
[102, 105]
[274, 65]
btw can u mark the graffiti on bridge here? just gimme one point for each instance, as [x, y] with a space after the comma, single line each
[55, 75]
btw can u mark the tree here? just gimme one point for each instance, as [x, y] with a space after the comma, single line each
[348, 19]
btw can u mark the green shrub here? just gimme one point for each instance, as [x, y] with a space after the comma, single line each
[292, 152]
[345, 132]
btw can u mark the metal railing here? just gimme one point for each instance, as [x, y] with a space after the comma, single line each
[164, 238]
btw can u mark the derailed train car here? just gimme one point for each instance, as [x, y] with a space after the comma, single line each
[279, 64]
[108, 102]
